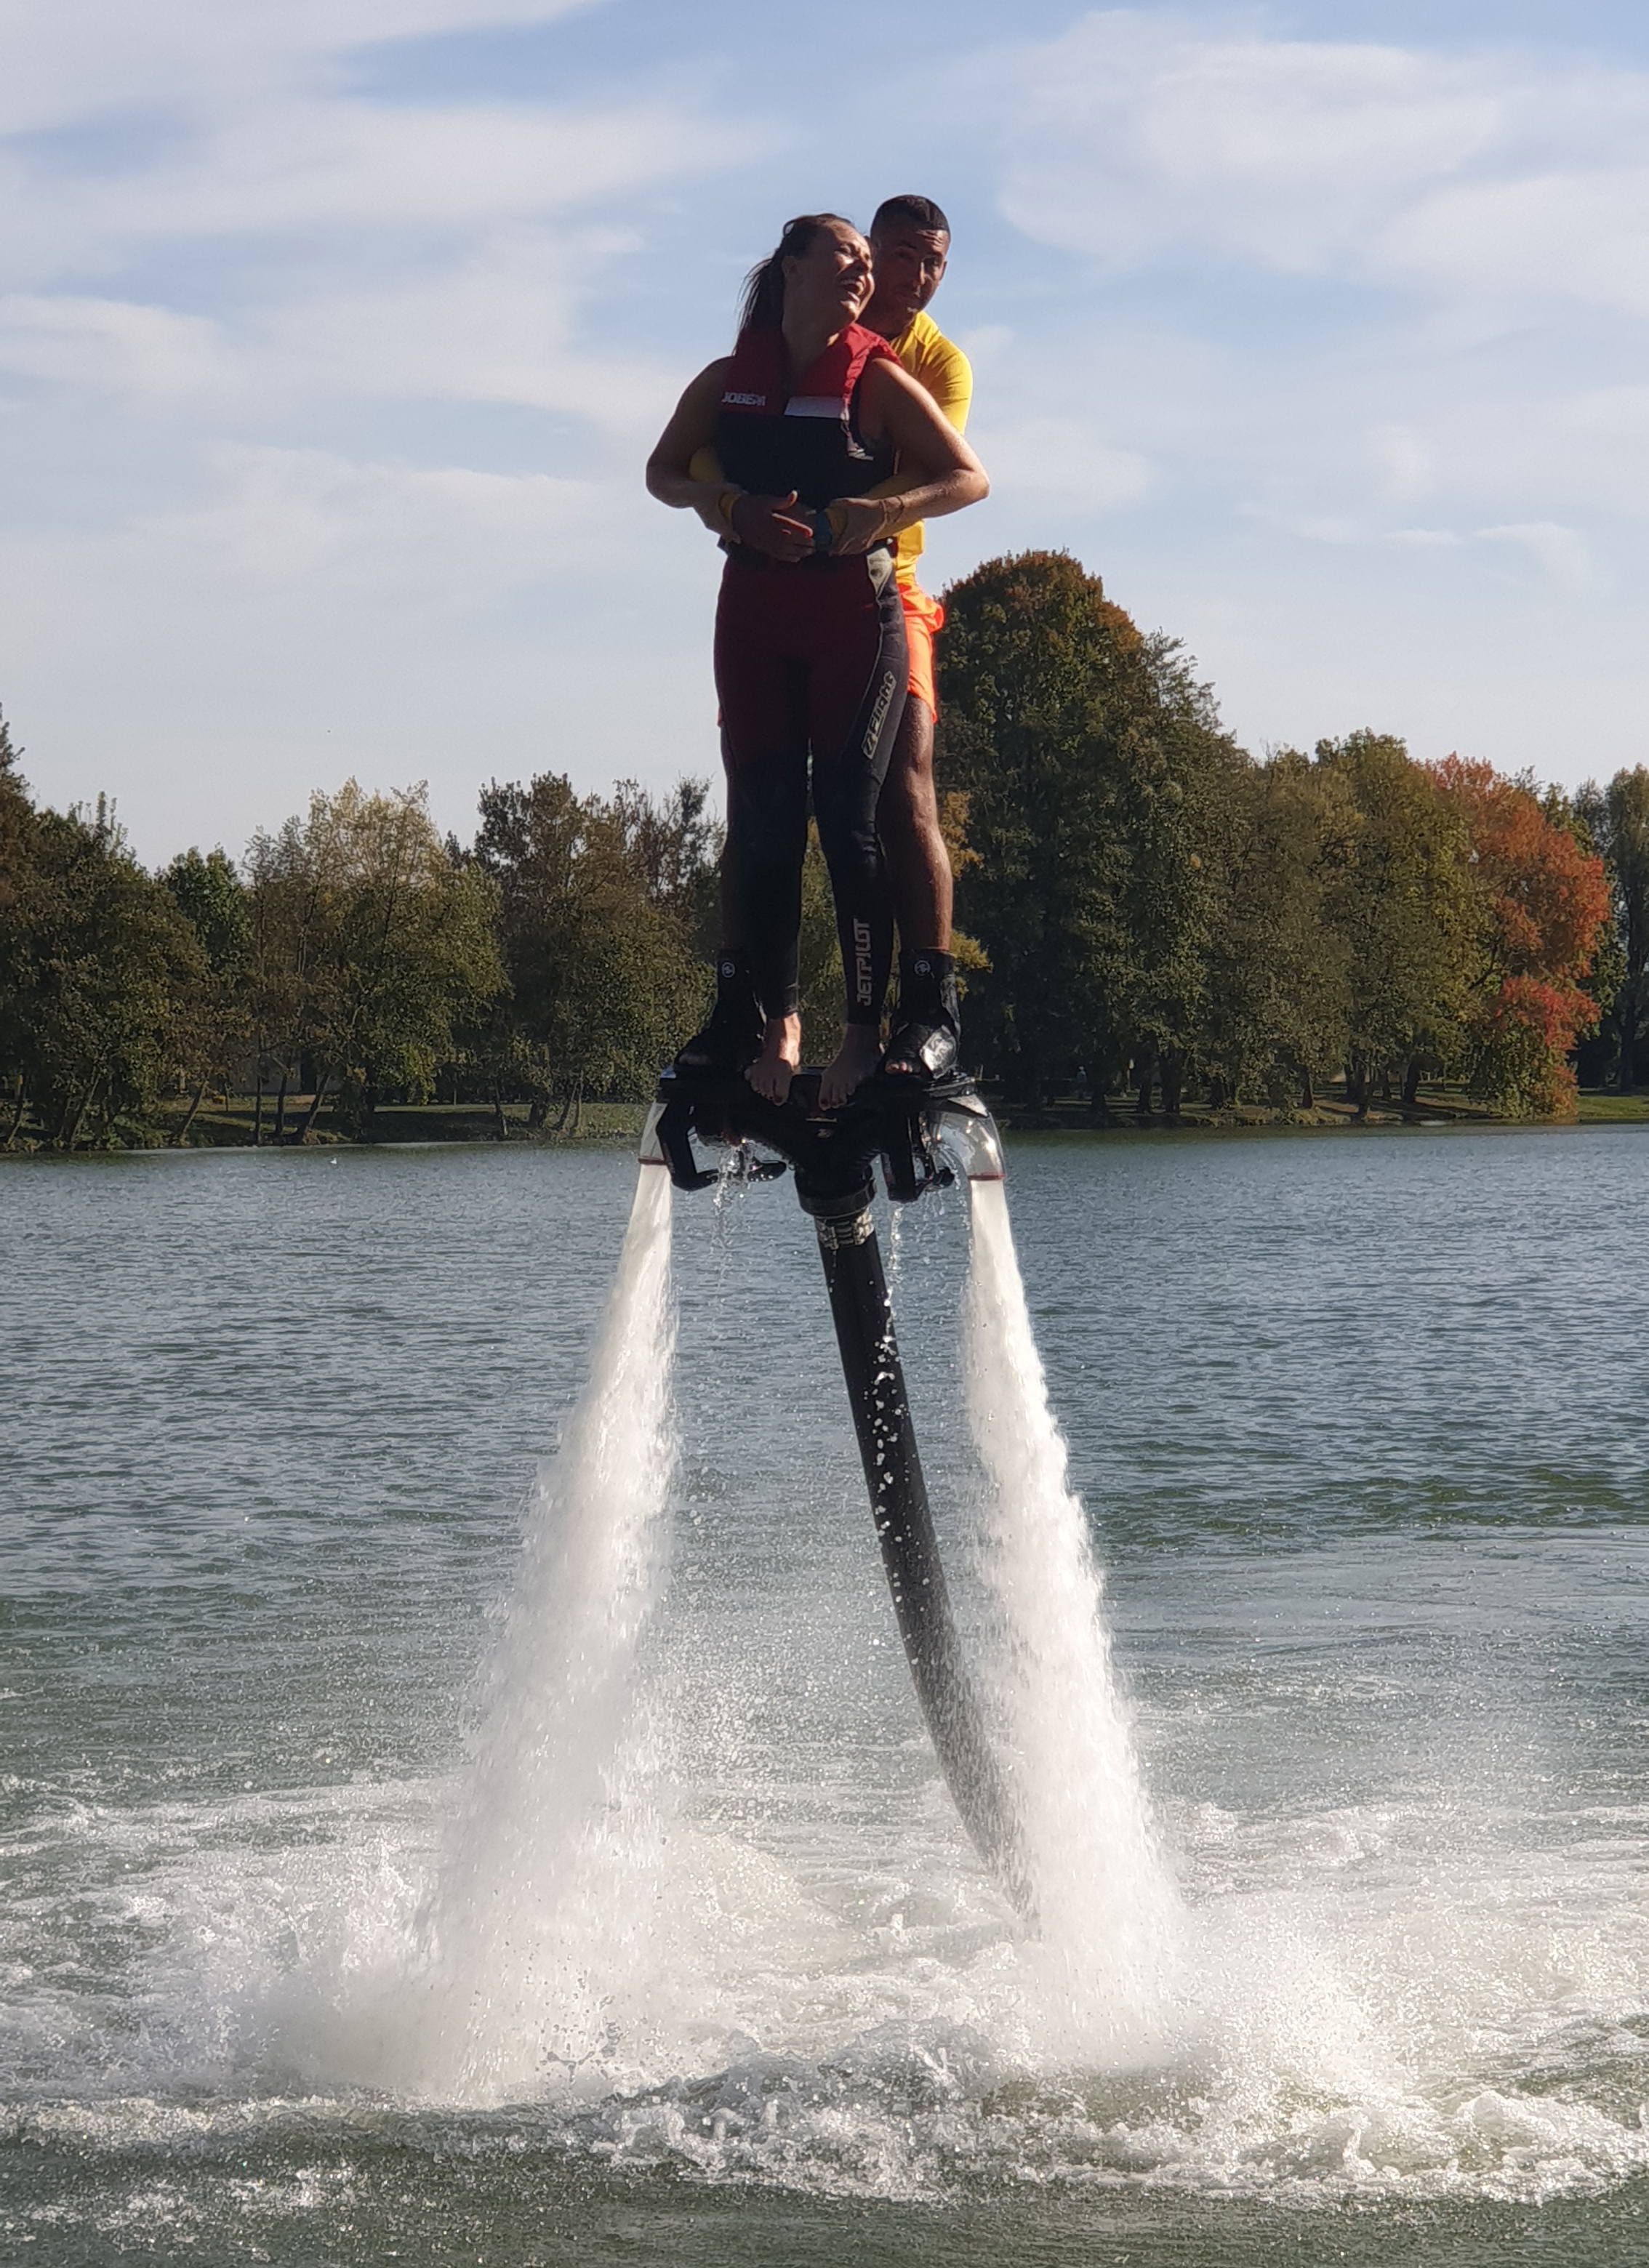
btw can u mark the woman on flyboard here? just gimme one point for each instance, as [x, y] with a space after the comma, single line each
[809, 413]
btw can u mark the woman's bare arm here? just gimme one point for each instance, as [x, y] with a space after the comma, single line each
[692, 426]
[766, 522]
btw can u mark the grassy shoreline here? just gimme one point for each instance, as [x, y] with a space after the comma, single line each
[227, 1123]
[1437, 1109]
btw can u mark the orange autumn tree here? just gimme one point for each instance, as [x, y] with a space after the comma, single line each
[1541, 903]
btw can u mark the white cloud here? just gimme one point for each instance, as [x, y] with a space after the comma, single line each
[500, 325]
[1562, 552]
[281, 519]
[1484, 175]
[76, 59]
[109, 345]
[270, 527]
[219, 251]
[1403, 462]
[1462, 415]
[308, 616]
[476, 300]
[233, 119]
[1065, 459]
[350, 165]
[1490, 438]
[330, 173]
[352, 247]
[1574, 235]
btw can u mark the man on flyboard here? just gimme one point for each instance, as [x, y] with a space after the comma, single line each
[910, 242]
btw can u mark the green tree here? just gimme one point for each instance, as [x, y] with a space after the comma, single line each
[1617, 820]
[101, 953]
[16, 814]
[1177, 773]
[211, 1019]
[673, 846]
[1279, 974]
[17, 853]
[598, 905]
[369, 944]
[1030, 658]
[1403, 909]
[1090, 760]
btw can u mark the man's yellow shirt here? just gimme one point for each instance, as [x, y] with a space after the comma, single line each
[936, 363]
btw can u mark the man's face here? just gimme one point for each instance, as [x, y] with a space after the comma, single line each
[910, 264]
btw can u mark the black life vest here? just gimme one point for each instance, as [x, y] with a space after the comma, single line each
[808, 441]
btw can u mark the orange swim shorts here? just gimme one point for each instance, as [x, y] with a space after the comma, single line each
[924, 619]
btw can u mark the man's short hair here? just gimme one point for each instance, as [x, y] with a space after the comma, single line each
[909, 212]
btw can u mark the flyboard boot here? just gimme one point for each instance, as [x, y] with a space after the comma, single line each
[923, 1135]
[733, 1037]
[927, 1023]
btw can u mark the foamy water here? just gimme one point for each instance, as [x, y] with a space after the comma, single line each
[501, 1971]
[1339, 1849]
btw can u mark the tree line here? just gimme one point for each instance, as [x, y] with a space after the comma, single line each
[1149, 912]
[1156, 906]
[353, 957]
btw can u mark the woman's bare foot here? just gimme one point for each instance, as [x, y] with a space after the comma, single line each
[854, 1062]
[771, 1073]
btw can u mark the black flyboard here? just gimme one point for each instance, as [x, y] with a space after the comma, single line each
[833, 1155]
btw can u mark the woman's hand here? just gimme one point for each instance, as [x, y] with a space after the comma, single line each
[773, 525]
[768, 524]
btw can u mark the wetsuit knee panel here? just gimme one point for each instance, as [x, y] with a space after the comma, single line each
[769, 790]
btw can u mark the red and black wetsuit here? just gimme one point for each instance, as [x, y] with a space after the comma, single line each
[810, 661]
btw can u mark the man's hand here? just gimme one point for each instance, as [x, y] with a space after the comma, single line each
[859, 522]
[772, 525]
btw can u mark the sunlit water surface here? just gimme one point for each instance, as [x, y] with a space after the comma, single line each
[1360, 1425]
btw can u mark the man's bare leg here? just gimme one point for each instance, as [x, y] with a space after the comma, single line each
[908, 821]
[926, 1027]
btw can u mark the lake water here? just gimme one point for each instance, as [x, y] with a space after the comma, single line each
[1362, 1427]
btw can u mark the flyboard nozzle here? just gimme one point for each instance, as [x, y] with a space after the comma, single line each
[837, 1190]
[831, 1155]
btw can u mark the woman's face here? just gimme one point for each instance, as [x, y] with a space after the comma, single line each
[831, 280]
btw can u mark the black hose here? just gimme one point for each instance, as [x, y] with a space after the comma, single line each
[904, 1524]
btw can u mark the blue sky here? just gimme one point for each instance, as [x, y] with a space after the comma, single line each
[333, 334]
